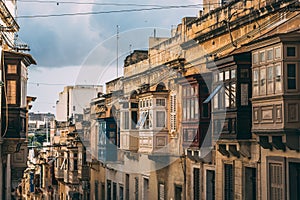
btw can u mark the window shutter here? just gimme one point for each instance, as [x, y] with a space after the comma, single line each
[228, 182]
[276, 181]
[173, 113]
[161, 191]
[196, 184]
[136, 188]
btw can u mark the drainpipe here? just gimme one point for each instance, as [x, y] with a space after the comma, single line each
[8, 178]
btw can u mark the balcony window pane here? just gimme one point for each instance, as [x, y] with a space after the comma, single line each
[11, 69]
[190, 135]
[126, 120]
[160, 102]
[227, 75]
[233, 95]
[278, 53]
[291, 72]
[188, 107]
[184, 109]
[270, 80]
[291, 51]
[262, 56]
[192, 109]
[255, 58]
[216, 104]
[270, 54]
[262, 81]
[233, 73]
[221, 76]
[160, 119]
[11, 92]
[227, 97]
[278, 79]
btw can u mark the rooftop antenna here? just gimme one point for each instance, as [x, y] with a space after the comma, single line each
[118, 50]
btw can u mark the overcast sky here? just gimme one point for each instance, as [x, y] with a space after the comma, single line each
[81, 49]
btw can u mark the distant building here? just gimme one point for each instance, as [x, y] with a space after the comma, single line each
[73, 99]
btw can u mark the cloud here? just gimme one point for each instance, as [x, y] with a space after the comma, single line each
[67, 41]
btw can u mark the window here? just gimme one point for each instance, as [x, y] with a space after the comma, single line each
[160, 119]
[262, 56]
[75, 164]
[276, 181]
[278, 84]
[108, 192]
[255, 82]
[244, 73]
[160, 102]
[11, 69]
[294, 179]
[225, 95]
[190, 100]
[227, 75]
[250, 183]
[161, 191]
[244, 94]
[262, 86]
[270, 55]
[255, 58]
[196, 188]
[114, 191]
[121, 192]
[291, 51]
[178, 192]
[146, 189]
[221, 76]
[173, 112]
[125, 120]
[127, 186]
[210, 185]
[277, 52]
[232, 73]
[11, 92]
[190, 135]
[270, 77]
[291, 76]
[228, 183]
[136, 193]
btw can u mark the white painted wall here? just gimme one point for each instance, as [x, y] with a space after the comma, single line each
[79, 98]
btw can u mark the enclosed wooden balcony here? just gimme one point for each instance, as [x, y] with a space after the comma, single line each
[83, 173]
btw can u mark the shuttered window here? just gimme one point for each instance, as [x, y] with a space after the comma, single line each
[196, 188]
[136, 188]
[161, 191]
[173, 113]
[127, 187]
[228, 184]
[276, 181]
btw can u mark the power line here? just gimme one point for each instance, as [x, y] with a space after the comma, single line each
[110, 11]
[87, 3]
[49, 84]
[100, 4]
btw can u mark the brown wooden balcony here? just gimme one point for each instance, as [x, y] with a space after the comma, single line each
[73, 177]
[84, 173]
[59, 173]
